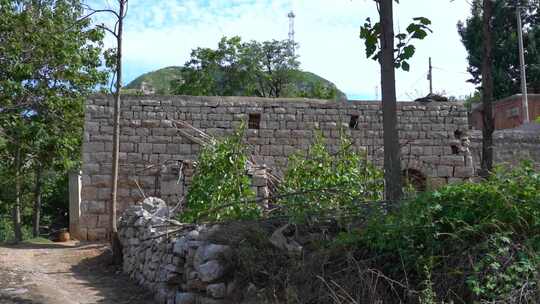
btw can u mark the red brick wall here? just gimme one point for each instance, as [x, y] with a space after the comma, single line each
[508, 112]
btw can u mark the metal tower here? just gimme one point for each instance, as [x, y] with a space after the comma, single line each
[291, 16]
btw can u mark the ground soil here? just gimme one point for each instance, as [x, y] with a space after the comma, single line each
[66, 273]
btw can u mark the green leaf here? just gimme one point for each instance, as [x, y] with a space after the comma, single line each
[405, 66]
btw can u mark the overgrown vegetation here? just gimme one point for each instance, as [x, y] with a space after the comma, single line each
[480, 241]
[465, 243]
[329, 184]
[221, 188]
[321, 183]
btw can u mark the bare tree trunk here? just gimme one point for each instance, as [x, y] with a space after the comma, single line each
[392, 161]
[17, 208]
[115, 242]
[37, 202]
[487, 92]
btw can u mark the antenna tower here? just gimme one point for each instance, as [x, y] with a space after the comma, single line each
[291, 16]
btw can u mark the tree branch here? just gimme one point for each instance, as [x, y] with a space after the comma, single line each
[101, 26]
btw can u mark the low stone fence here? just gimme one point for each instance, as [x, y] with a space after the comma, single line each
[511, 146]
[185, 268]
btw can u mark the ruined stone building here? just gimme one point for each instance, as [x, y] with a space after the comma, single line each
[153, 151]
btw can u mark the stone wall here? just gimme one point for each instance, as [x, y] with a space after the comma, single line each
[182, 268]
[511, 146]
[152, 151]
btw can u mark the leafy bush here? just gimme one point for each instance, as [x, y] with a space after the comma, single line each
[221, 188]
[481, 240]
[329, 184]
[7, 234]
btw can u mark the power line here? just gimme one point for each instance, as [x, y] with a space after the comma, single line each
[448, 71]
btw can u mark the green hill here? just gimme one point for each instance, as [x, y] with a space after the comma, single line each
[159, 81]
[306, 84]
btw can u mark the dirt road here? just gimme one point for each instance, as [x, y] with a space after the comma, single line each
[68, 273]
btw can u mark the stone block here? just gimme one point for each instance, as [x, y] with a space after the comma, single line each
[445, 171]
[81, 234]
[97, 234]
[159, 148]
[452, 160]
[88, 221]
[89, 193]
[211, 271]
[93, 207]
[93, 147]
[463, 172]
[217, 291]
[103, 221]
[185, 298]
[276, 150]
[434, 183]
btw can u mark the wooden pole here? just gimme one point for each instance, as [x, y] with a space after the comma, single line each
[430, 77]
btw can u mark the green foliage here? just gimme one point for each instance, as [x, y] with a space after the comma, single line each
[329, 184]
[506, 68]
[7, 233]
[537, 119]
[371, 33]
[303, 84]
[309, 85]
[236, 68]
[485, 234]
[503, 269]
[160, 81]
[221, 188]
[50, 61]
[472, 99]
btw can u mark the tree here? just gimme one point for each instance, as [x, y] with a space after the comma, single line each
[115, 240]
[487, 90]
[506, 69]
[113, 59]
[379, 41]
[239, 68]
[49, 60]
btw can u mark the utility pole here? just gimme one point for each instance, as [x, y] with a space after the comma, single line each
[524, 96]
[430, 77]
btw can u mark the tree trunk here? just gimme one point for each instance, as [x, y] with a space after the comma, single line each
[37, 202]
[17, 226]
[115, 242]
[487, 92]
[392, 161]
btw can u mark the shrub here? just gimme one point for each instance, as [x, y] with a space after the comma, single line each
[329, 184]
[220, 189]
[482, 240]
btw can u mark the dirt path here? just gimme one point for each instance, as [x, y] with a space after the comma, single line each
[70, 273]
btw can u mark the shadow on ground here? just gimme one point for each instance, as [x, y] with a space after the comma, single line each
[81, 271]
[108, 280]
[52, 245]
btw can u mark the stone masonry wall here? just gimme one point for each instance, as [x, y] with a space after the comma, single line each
[511, 146]
[152, 151]
[178, 268]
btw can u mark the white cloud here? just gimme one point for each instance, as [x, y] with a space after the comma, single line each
[159, 33]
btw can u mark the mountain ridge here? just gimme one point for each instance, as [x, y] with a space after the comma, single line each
[159, 81]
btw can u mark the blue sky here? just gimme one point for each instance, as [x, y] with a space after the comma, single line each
[162, 33]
